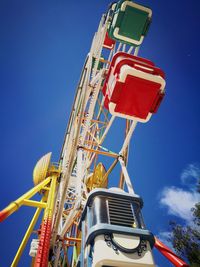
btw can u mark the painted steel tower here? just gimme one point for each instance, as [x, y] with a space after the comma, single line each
[89, 221]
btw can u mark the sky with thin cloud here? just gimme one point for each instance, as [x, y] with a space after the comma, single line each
[179, 202]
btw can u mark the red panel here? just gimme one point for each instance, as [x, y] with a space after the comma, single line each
[137, 97]
[106, 102]
[104, 88]
[157, 103]
[117, 92]
[123, 55]
[108, 42]
[124, 58]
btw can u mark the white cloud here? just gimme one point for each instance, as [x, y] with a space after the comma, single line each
[179, 202]
[191, 175]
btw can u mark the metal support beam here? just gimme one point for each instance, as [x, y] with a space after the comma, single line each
[126, 176]
[169, 254]
[41, 259]
[26, 237]
[32, 203]
[112, 155]
[15, 205]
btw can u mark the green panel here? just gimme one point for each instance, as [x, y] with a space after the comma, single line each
[119, 4]
[133, 23]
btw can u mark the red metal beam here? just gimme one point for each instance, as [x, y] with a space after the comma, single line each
[169, 254]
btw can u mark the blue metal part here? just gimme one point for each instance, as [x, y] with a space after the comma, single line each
[102, 229]
[107, 192]
[82, 245]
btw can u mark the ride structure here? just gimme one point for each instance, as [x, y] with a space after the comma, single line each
[89, 220]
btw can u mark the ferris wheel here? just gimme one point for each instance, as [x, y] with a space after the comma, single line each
[89, 220]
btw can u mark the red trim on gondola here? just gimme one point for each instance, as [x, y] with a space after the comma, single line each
[129, 59]
[139, 94]
[108, 42]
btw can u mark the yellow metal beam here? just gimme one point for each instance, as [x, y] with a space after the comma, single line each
[15, 205]
[46, 228]
[32, 262]
[33, 203]
[46, 188]
[26, 238]
[110, 170]
[51, 197]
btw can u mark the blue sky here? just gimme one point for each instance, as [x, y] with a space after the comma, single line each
[42, 49]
